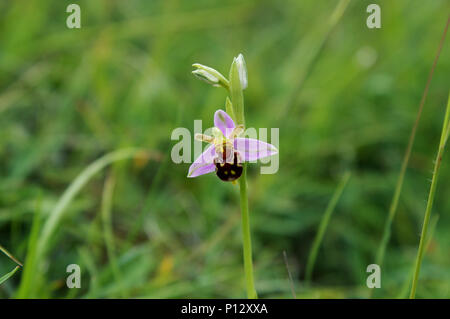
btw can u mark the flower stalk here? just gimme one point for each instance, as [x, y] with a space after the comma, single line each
[426, 221]
[237, 105]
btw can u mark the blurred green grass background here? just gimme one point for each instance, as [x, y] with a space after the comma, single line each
[67, 97]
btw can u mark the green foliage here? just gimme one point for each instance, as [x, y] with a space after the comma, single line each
[344, 96]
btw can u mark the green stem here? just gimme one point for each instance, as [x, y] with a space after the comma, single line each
[431, 195]
[403, 294]
[237, 100]
[246, 238]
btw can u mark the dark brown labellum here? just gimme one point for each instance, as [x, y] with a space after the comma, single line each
[229, 172]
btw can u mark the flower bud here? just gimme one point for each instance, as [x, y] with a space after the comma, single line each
[207, 77]
[242, 68]
[210, 75]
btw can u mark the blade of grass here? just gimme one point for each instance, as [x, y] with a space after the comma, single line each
[437, 165]
[56, 214]
[108, 192]
[323, 226]
[10, 256]
[405, 287]
[149, 200]
[398, 188]
[26, 284]
[9, 275]
[291, 282]
[336, 16]
[87, 259]
[151, 197]
[7, 253]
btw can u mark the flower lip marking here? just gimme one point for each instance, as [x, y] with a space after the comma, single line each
[227, 171]
[228, 151]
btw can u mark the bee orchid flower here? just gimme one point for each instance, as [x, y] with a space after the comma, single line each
[228, 151]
